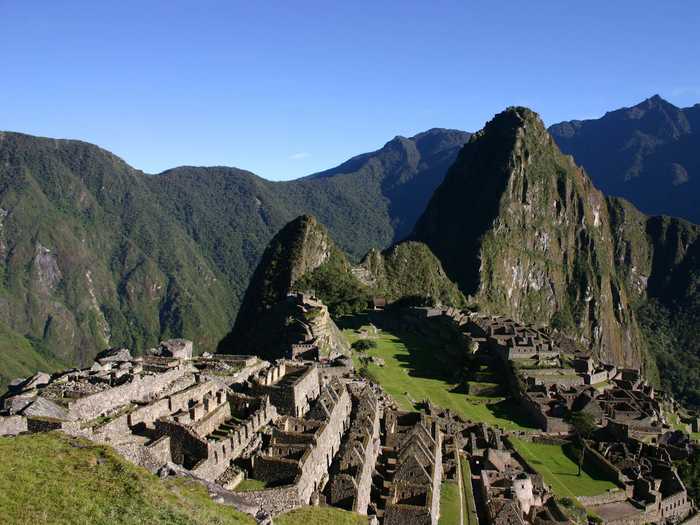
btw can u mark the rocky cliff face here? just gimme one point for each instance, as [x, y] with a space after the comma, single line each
[523, 231]
[299, 248]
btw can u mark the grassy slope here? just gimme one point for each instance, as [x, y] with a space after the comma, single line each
[320, 516]
[54, 479]
[19, 358]
[559, 471]
[411, 373]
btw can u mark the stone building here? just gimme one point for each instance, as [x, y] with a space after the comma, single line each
[295, 465]
[291, 387]
[653, 491]
[413, 457]
[351, 473]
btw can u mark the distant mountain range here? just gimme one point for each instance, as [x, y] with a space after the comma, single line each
[648, 154]
[95, 253]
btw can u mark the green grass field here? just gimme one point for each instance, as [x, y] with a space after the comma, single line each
[560, 472]
[54, 479]
[414, 372]
[450, 504]
[470, 516]
[250, 484]
[320, 516]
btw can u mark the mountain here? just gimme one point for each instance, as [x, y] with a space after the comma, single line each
[648, 154]
[89, 259]
[95, 253]
[303, 258]
[367, 202]
[406, 171]
[523, 231]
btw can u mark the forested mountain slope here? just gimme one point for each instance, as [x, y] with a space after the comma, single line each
[648, 153]
[94, 253]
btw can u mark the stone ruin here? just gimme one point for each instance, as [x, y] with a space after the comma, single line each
[307, 432]
[303, 432]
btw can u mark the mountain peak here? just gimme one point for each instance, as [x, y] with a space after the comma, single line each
[513, 121]
[522, 230]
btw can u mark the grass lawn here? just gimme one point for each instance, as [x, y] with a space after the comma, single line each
[414, 372]
[470, 516]
[450, 505]
[54, 479]
[320, 516]
[250, 484]
[559, 471]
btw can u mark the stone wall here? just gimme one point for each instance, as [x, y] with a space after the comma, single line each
[221, 452]
[312, 466]
[146, 415]
[351, 479]
[604, 465]
[12, 425]
[602, 499]
[141, 388]
[151, 457]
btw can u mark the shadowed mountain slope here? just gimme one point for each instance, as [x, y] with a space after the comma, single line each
[648, 154]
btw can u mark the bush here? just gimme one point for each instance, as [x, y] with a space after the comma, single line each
[363, 345]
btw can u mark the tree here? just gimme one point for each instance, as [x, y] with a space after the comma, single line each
[362, 345]
[584, 425]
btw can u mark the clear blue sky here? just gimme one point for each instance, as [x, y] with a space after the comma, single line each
[287, 88]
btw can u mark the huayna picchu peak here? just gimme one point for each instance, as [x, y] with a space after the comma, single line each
[523, 231]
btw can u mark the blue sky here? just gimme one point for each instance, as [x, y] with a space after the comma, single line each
[287, 88]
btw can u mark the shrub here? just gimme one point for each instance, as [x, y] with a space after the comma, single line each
[363, 345]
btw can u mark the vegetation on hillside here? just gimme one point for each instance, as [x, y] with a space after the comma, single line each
[89, 258]
[334, 283]
[20, 357]
[54, 479]
[673, 335]
[144, 257]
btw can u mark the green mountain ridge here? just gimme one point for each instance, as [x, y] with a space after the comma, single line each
[94, 253]
[302, 257]
[647, 153]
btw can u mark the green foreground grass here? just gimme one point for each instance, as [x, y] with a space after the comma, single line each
[320, 516]
[54, 479]
[249, 484]
[560, 471]
[450, 504]
[413, 372]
